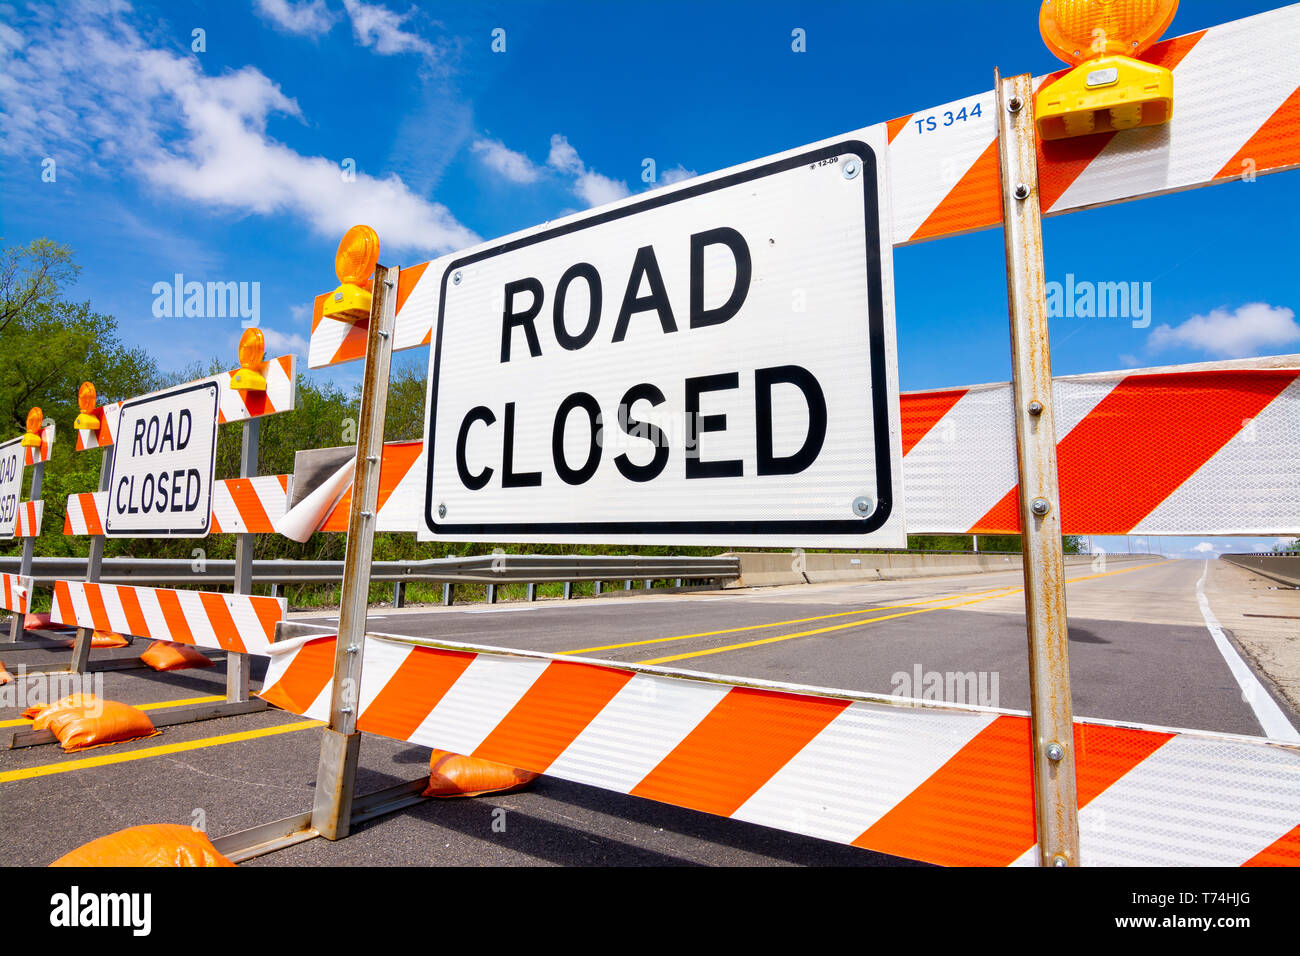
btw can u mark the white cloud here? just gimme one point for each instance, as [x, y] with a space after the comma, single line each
[588, 185]
[281, 343]
[1289, 543]
[676, 175]
[515, 167]
[305, 18]
[564, 157]
[89, 89]
[595, 189]
[1204, 548]
[1245, 331]
[377, 26]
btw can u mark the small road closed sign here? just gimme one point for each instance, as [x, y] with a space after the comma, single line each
[11, 486]
[711, 362]
[163, 460]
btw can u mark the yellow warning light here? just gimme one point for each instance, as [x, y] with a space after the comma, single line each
[33, 437]
[1108, 90]
[355, 263]
[86, 399]
[252, 352]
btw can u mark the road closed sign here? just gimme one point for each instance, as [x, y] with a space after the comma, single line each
[711, 362]
[11, 486]
[163, 459]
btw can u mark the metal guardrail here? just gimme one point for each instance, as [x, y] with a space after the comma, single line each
[491, 569]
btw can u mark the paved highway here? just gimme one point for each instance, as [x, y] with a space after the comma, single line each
[1140, 651]
[1139, 647]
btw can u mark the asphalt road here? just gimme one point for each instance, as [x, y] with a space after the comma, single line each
[1139, 648]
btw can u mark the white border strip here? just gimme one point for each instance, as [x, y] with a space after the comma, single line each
[1267, 712]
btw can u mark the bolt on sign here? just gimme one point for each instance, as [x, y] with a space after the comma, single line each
[11, 486]
[714, 362]
[163, 460]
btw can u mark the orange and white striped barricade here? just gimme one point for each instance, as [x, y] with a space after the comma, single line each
[239, 624]
[945, 784]
[929, 781]
[1173, 450]
[25, 520]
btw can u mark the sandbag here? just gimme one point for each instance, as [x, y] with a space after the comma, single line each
[5, 676]
[83, 721]
[102, 639]
[455, 775]
[153, 844]
[166, 656]
[41, 713]
[35, 622]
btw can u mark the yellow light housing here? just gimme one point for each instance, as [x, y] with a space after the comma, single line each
[33, 437]
[1108, 89]
[86, 399]
[252, 353]
[354, 263]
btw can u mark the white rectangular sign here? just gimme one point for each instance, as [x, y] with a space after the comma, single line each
[11, 486]
[163, 459]
[712, 362]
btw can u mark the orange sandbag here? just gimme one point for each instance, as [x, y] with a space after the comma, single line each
[41, 713]
[91, 722]
[166, 656]
[455, 775]
[154, 844]
[34, 622]
[5, 676]
[102, 639]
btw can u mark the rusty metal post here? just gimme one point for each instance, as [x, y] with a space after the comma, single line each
[1055, 798]
[340, 744]
[29, 550]
[94, 562]
[237, 665]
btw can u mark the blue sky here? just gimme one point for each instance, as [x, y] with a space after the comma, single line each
[225, 164]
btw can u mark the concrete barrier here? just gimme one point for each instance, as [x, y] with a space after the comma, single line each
[772, 568]
[1283, 568]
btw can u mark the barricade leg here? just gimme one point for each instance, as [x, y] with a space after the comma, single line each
[1056, 802]
[29, 549]
[237, 665]
[340, 744]
[336, 774]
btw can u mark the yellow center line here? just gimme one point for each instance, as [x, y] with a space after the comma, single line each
[800, 620]
[888, 617]
[22, 721]
[105, 759]
[820, 630]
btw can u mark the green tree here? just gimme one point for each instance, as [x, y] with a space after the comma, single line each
[50, 346]
[31, 275]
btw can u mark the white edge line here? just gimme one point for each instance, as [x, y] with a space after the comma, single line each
[1267, 712]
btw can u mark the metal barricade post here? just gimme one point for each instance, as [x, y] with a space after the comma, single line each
[340, 742]
[1051, 712]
